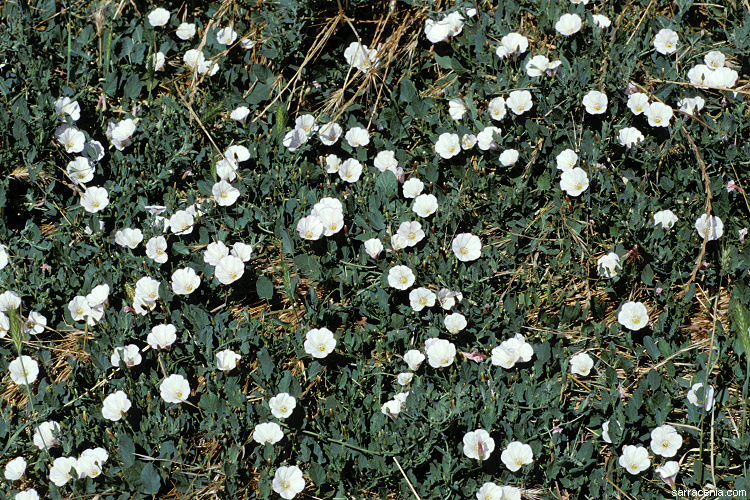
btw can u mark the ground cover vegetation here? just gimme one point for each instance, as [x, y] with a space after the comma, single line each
[374, 249]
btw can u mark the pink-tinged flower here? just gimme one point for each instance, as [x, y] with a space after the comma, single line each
[115, 406]
[634, 459]
[175, 389]
[478, 444]
[516, 455]
[474, 356]
[633, 316]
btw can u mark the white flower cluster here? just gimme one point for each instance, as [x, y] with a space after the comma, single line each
[360, 57]
[326, 219]
[229, 265]
[449, 26]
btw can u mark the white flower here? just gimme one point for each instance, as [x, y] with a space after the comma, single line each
[630, 136]
[566, 160]
[71, 138]
[516, 455]
[158, 17]
[158, 60]
[478, 444]
[360, 57]
[568, 24]
[440, 353]
[373, 247]
[115, 406]
[350, 170]
[15, 469]
[329, 133]
[490, 491]
[512, 44]
[448, 145]
[80, 170]
[129, 237]
[708, 396]
[162, 336]
[226, 360]
[633, 316]
[248, 44]
[310, 228]
[9, 300]
[59, 473]
[486, 138]
[519, 101]
[156, 249]
[581, 364]
[714, 59]
[505, 356]
[412, 232]
[665, 218]
[214, 252]
[509, 157]
[185, 31]
[421, 297]
[357, 136]
[95, 199]
[399, 242]
[574, 181]
[268, 433]
[634, 459]
[226, 36]
[35, 323]
[185, 281]
[665, 41]
[439, 31]
[129, 354]
[288, 481]
[447, 298]
[333, 163]
[4, 325]
[23, 370]
[658, 114]
[669, 471]
[455, 322]
[456, 108]
[468, 141]
[496, 108]
[385, 160]
[46, 435]
[306, 123]
[405, 378]
[65, 107]
[319, 342]
[413, 359]
[27, 495]
[665, 441]
[724, 78]
[229, 269]
[536, 66]
[400, 277]
[595, 102]
[690, 104]
[3, 256]
[121, 133]
[710, 228]
[638, 103]
[466, 247]
[240, 114]
[518, 343]
[147, 288]
[294, 139]
[699, 75]
[282, 405]
[601, 21]
[181, 222]
[607, 265]
[174, 389]
[425, 205]
[413, 188]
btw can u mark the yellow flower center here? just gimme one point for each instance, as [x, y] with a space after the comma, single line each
[403, 279]
[463, 251]
[179, 394]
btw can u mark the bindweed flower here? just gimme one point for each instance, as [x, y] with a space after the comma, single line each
[448, 145]
[478, 444]
[486, 138]
[633, 316]
[350, 171]
[157, 61]
[130, 356]
[412, 188]
[516, 455]
[288, 481]
[60, 471]
[519, 101]
[115, 406]
[226, 360]
[421, 297]
[214, 252]
[496, 108]
[229, 269]
[23, 370]
[80, 170]
[319, 342]
[129, 237]
[401, 277]
[668, 472]
[568, 24]
[456, 108]
[65, 107]
[690, 104]
[185, 31]
[181, 222]
[70, 138]
[34, 324]
[607, 265]
[509, 157]
[601, 21]
[282, 405]
[185, 281]
[162, 336]
[574, 181]
[707, 401]
[413, 359]
[714, 59]
[15, 469]
[225, 194]
[490, 491]
[566, 160]
[46, 435]
[595, 102]
[665, 441]
[447, 298]
[27, 495]
[95, 199]
[455, 322]
[330, 133]
[665, 41]
[638, 103]
[268, 433]
[665, 218]
[158, 17]
[440, 353]
[306, 123]
[710, 228]
[121, 133]
[581, 364]
[466, 247]
[373, 247]
[658, 114]
[512, 44]
[310, 228]
[357, 136]
[412, 232]
[174, 389]
[634, 459]
[630, 136]
[385, 160]
[404, 378]
[226, 36]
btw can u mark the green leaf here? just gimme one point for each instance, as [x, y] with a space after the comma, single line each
[264, 286]
[126, 450]
[317, 473]
[444, 62]
[151, 480]
[133, 87]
